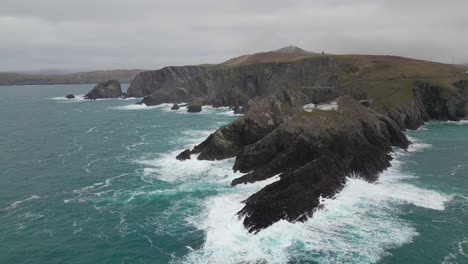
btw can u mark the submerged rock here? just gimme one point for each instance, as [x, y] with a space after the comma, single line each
[70, 96]
[175, 107]
[108, 89]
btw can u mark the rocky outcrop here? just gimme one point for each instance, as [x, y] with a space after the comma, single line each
[108, 89]
[196, 105]
[184, 155]
[260, 120]
[194, 108]
[70, 96]
[312, 151]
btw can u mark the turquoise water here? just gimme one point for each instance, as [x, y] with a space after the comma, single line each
[97, 182]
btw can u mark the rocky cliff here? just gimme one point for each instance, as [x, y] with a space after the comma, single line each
[312, 151]
[235, 83]
[244, 80]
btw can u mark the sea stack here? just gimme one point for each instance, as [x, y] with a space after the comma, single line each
[108, 89]
[195, 106]
[70, 96]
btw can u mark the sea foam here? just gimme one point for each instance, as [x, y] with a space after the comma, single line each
[78, 98]
[16, 203]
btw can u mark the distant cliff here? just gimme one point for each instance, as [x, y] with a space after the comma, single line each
[244, 80]
[124, 76]
[234, 82]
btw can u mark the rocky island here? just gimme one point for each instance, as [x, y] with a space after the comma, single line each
[313, 119]
[108, 89]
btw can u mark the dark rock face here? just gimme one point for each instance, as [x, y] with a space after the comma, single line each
[109, 89]
[440, 103]
[164, 79]
[70, 96]
[260, 120]
[431, 102]
[184, 155]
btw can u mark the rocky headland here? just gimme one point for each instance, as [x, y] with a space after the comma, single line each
[108, 89]
[313, 119]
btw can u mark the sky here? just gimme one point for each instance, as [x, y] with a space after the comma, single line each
[72, 35]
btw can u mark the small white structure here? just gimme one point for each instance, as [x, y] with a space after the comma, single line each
[466, 72]
[325, 106]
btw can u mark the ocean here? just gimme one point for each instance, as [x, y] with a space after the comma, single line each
[97, 182]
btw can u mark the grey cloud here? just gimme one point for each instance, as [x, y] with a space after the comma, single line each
[111, 34]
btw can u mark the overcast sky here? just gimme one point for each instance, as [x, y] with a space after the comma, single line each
[149, 34]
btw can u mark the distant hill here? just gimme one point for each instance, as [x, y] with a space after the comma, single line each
[12, 78]
[285, 54]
